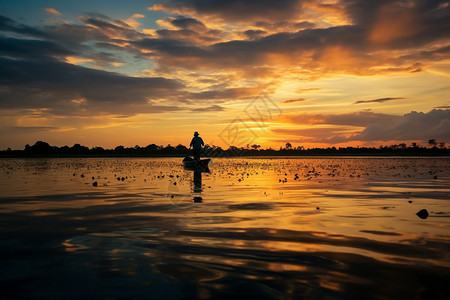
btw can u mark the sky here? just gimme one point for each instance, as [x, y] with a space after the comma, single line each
[310, 73]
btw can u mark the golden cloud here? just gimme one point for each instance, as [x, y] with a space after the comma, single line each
[52, 11]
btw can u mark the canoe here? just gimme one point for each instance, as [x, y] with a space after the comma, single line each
[190, 163]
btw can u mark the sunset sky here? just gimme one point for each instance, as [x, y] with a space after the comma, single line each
[312, 73]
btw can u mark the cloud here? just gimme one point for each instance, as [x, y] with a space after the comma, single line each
[394, 23]
[293, 100]
[132, 22]
[52, 11]
[190, 35]
[211, 108]
[254, 34]
[20, 48]
[228, 93]
[24, 84]
[299, 91]
[32, 128]
[376, 127]
[359, 119]
[188, 23]
[307, 49]
[314, 134]
[319, 51]
[234, 10]
[80, 41]
[115, 29]
[8, 25]
[284, 26]
[379, 100]
[411, 126]
[367, 40]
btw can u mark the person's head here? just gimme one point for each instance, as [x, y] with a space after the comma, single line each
[196, 133]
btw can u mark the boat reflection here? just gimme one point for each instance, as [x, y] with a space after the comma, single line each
[197, 186]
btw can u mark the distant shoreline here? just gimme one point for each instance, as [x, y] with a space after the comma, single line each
[354, 155]
[43, 150]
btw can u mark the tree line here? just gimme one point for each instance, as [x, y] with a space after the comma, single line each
[43, 149]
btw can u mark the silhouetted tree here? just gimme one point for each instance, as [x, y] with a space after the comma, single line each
[39, 147]
[97, 150]
[432, 142]
[181, 148]
[120, 149]
[78, 149]
[288, 146]
[151, 148]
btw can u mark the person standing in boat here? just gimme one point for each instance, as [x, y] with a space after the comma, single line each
[196, 144]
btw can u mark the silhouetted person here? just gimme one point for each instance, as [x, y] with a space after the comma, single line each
[196, 144]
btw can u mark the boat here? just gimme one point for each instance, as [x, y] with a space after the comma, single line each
[196, 164]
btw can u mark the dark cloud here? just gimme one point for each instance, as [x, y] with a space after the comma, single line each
[227, 93]
[68, 39]
[284, 25]
[401, 23]
[170, 47]
[236, 10]
[377, 127]
[57, 86]
[112, 28]
[244, 53]
[21, 48]
[190, 36]
[75, 35]
[358, 48]
[379, 100]
[255, 34]
[188, 23]
[190, 30]
[411, 126]
[294, 100]
[31, 128]
[209, 108]
[443, 107]
[9, 25]
[34, 74]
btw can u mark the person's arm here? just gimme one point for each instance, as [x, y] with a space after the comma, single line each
[192, 142]
[203, 144]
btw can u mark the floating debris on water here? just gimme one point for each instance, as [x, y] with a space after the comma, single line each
[423, 214]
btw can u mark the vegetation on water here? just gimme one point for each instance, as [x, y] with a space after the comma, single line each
[43, 149]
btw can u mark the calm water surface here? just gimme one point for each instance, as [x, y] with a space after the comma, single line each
[282, 228]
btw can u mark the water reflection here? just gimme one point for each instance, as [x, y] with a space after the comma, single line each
[197, 186]
[259, 235]
[197, 182]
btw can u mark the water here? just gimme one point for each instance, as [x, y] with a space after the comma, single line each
[282, 228]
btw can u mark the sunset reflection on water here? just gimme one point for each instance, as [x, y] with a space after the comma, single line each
[277, 227]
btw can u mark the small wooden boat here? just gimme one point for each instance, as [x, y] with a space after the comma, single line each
[191, 163]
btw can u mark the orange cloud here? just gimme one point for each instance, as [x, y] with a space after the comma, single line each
[132, 22]
[76, 60]
[394, 21]
[299, 91]
[294, 100]
[52, 11]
